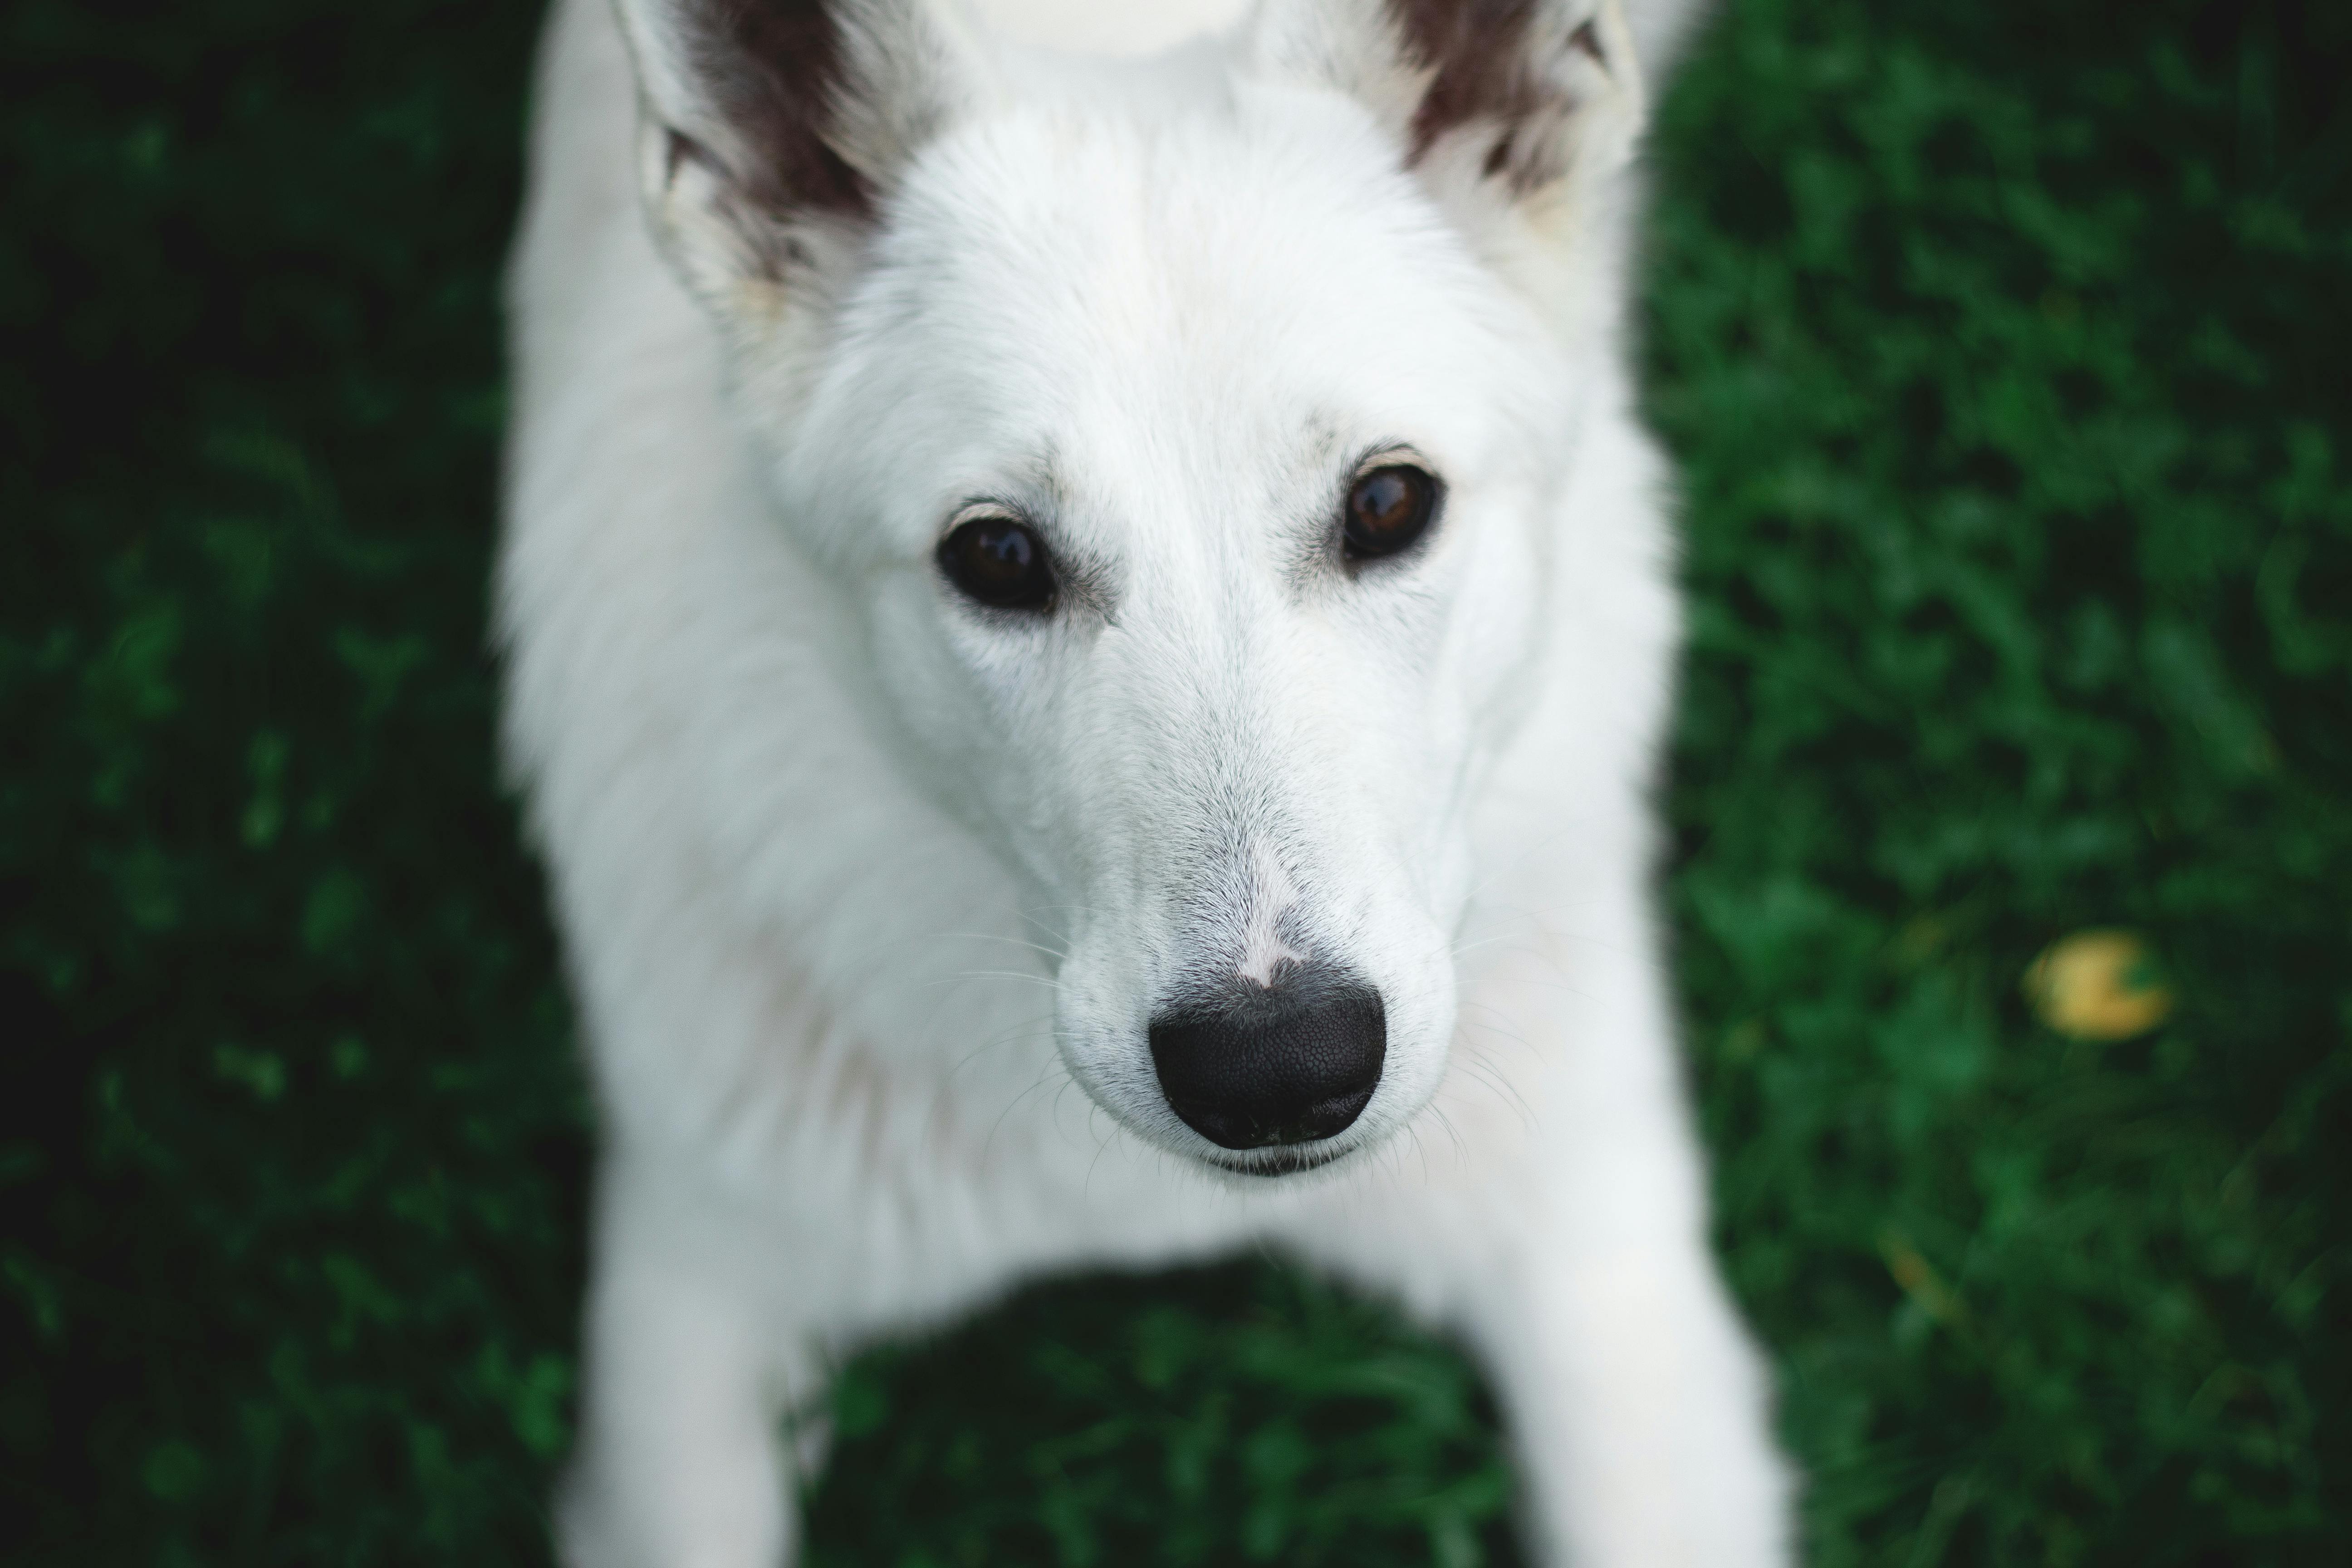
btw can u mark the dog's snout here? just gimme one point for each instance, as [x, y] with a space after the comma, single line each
[1251, 1068]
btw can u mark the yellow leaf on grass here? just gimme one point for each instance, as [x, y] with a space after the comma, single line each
[2098, 985]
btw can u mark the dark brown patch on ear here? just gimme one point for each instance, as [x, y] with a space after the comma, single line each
[679, 149]
[1480, 55]
[1479, 49]
[774, 67]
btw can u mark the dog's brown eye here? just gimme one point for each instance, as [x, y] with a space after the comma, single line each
[999, 561]
[1387, 508]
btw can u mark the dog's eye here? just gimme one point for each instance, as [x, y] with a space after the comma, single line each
[1387, 508]
[999, 561]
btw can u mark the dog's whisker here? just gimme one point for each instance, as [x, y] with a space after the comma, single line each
[1057, 955]
[1047, 981]
[1505, 1091]
[1461, 1149]
[1028, 1030]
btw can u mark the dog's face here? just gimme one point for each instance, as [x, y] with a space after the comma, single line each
[1192, 452]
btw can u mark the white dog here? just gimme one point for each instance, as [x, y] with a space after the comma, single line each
[1030, 572]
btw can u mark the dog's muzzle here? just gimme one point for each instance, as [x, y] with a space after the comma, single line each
[1257, 1068]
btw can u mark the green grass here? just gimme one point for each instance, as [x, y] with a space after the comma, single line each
[2005, 354]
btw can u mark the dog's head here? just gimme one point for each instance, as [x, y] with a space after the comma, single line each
[1190, 438]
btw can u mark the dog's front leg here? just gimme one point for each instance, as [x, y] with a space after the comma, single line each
[1562, 1230]
[1574, 1226]
[684, 1372]
[1636, 1408]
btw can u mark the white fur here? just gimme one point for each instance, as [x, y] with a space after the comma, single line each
[857, 885]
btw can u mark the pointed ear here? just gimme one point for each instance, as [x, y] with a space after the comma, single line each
[1495, 103]
[771, 129]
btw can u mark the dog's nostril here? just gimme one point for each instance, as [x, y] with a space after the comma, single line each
[1298, 1063]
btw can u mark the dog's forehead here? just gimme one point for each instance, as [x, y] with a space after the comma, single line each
[1224, 295]
[1078, 240]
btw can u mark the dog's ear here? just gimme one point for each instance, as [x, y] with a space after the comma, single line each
[773, 129]
[1495, 104]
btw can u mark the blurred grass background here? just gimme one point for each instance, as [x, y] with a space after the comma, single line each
[2004, 346]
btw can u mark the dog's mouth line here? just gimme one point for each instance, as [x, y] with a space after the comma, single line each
[1285, 1163]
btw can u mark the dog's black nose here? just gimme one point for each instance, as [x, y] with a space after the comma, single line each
[1251, 1068]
